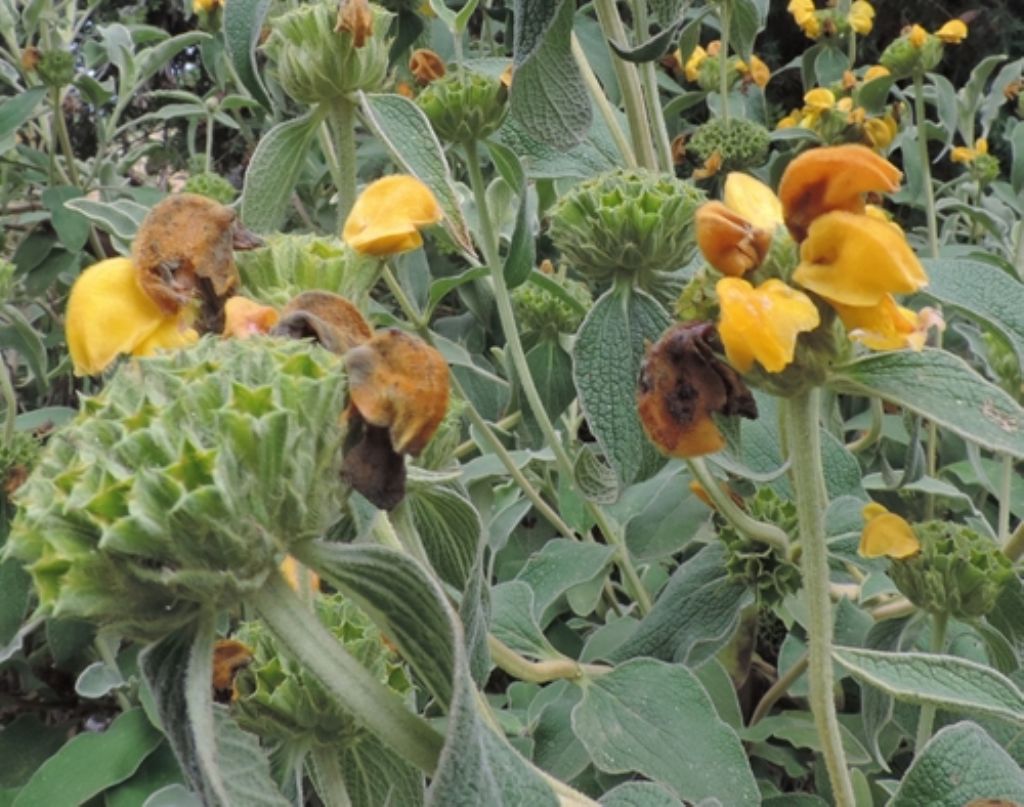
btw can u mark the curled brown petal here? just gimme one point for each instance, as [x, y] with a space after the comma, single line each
[682, 383]
[327, 318]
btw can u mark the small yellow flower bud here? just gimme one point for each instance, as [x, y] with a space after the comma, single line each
[953, 32]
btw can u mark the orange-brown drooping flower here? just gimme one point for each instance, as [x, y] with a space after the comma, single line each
[355, 18]
[326, 318]
[426, 66]
[836, 178]
[682, 383]
[729, 242]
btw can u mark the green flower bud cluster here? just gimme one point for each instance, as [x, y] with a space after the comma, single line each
[770, 574]
[958, 572]
[741, 143]
[628, 223]
[291, 264]
[316, 64]
[184, 482]
[903, 58]
[281, 699]
[546, 313]
[211, 185]
[56, 68]
[464, 106]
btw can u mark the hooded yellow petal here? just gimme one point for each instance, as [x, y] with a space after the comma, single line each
[832, 178]
[953, 32]
[820, 99]
[692, 67]
[885, 534]
[885, 326]
[109, 314]
[762, 324]
[753, 200]
[388, 214]
[856, 260]
[862, 17]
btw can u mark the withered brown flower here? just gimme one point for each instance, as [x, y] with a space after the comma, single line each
[682, 383]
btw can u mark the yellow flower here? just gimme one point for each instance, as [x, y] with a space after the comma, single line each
[804, 14]
[966, 154]
[109, 314]
[862, 17]
[886, 535]
[953, 32]
[244, 317]
[762, 324]
[885, 326]
[880, 132]
[692, 67]
[293, 573]
[387, 216]
[856, 260]
[758, 71]
[789, 121]
[917, 36]
[206, 5]
[820, 99]
[832, 178]
[875, 71]
[729, 242]
[753, 200]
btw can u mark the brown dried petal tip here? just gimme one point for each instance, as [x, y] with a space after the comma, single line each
[185, 250]
[356, 18]
[229, 656]
[327, 318]
[426, 66]
[682, 383]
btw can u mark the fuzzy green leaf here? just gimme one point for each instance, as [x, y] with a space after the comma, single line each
[273, 171]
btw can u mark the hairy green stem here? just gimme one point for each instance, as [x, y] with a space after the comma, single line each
[467, 447]
[920, 120]
[10, 402]
[538, 672]
[649, 79]
[874, 431]
[760, 531]
[778, 689]
[603, 105]
[1014, 546]
[199, 702]
[332, 790]
[723, 58]
[1005, 496]
[811, 503]
[629, 85]
[341, 116]
[926, 718]
[514, 345]
[371, 703]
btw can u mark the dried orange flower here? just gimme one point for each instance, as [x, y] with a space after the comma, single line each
[728, 241]
[327, 318]
[355, 18]
[833, 178]
[244, 317]
[426, 66]
[682, 383]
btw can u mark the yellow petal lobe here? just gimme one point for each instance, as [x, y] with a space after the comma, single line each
[386, 217]
[886, 534]
[753, 200]
[762, 324]
[857, 260]
[109, 314]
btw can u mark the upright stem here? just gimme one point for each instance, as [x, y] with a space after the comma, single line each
[603, 105]
[758, 530]
[811, 503]
[342, 118]
[926, 718]
[1014, 546]
[503, 301]
[10, 403]
[649, 77]
[629, 84]
[723, 58]
[370, 702]
[926, 171]
[1005, 494]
